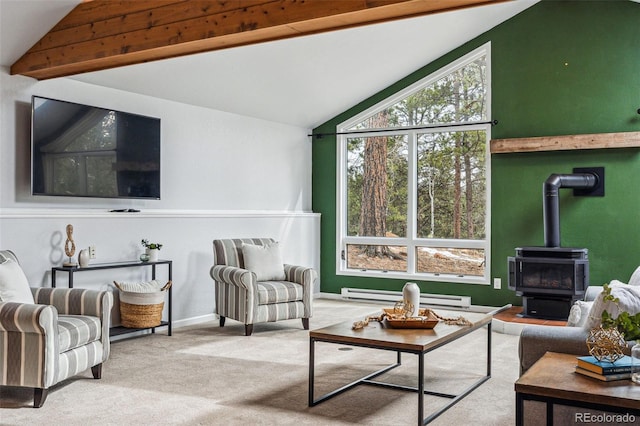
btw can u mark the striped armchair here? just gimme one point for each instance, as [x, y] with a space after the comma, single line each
[240, 296]
[63, 334]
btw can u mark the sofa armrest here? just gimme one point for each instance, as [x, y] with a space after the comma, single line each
[233, 275]
[28, 333]
[80, 301]
[535, 341]
[76, 301]
[301, 275]
[306, 277]
[28, 318]
[592, 292]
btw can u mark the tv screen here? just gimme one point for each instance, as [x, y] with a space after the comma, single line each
[84, 151]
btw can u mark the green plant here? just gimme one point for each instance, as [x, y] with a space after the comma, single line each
[627, 324]
[146, 244]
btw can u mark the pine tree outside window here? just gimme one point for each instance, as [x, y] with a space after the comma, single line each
[413, 187]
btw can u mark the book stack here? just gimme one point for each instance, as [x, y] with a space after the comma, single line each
[604, 370]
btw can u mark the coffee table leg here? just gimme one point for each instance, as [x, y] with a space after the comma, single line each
[420, 388]
[519, 409]
[311, 369]
[489, 349]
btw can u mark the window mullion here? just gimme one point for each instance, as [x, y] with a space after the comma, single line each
[341, 202]
[412, 203]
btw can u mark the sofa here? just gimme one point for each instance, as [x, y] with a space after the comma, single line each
[48, 335]
[253, 285]
[585, 314]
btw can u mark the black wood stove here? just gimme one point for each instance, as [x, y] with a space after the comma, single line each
[551, 278]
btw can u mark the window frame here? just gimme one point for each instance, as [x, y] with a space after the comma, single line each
[411, 241]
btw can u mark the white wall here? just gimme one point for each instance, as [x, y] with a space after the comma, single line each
[223, 175]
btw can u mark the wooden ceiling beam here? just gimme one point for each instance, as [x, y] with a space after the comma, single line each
[103, 34]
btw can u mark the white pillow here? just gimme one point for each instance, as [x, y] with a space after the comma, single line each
[629, 301]
[264, 261]
[579, 313]
[14, 286]
[635, 277]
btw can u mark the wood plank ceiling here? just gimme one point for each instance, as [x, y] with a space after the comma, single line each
[103, 34]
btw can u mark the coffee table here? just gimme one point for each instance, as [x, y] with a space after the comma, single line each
[413, 341]
[553, 380]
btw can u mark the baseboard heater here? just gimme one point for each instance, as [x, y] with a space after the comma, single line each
[395, 296]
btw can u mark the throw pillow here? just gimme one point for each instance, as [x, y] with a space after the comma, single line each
[264, 261]
[579, 313]
[629, 301]
[635, 277]
[14, 286]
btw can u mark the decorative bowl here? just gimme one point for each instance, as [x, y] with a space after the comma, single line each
[426, 319]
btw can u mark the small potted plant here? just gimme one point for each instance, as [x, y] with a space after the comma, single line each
[151, 250]
[627, 324]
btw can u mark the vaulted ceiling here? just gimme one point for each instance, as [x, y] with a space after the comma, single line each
[100, 34]
[293, 62]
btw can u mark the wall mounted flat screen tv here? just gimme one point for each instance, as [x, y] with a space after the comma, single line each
[84, 151]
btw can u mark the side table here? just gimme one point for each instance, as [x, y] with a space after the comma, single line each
[552, 380]
[116, 331]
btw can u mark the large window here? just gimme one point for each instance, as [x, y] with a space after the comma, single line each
[413, 196]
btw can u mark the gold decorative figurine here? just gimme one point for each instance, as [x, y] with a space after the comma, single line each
[70, 247]
[606, 344]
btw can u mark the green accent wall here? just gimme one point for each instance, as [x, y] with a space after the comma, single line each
[558, 68]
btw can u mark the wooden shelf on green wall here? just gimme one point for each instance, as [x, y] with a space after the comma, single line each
[566, 142]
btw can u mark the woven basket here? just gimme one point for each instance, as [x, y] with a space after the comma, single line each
[141, 310]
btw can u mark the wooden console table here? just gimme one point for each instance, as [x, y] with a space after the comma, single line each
[116, 331]
[552, 379]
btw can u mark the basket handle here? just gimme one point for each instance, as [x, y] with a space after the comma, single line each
[167, 286]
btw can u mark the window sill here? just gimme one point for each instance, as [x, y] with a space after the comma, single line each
[445, 278]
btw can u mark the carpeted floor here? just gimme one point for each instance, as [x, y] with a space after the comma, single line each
[207, 375]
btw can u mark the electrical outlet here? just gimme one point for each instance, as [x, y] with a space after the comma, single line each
[497, 283]
[92, 252]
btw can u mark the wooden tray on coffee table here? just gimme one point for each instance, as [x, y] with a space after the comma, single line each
[426, 320]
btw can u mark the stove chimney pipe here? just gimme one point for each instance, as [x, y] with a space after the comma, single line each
[551, 203]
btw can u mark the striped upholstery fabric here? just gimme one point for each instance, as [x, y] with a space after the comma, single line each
[240, 297]
[24, 340]
[80, 301]
[77, 330]
[63, 334]
[307, 278]
[279, 311]
[279, 292]
[78, 360]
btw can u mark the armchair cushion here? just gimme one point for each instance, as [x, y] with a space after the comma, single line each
[77, 330]
[14, 286]
[264, 260]
[279, 292]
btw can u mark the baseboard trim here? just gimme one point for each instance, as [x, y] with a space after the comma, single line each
[194, 320]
